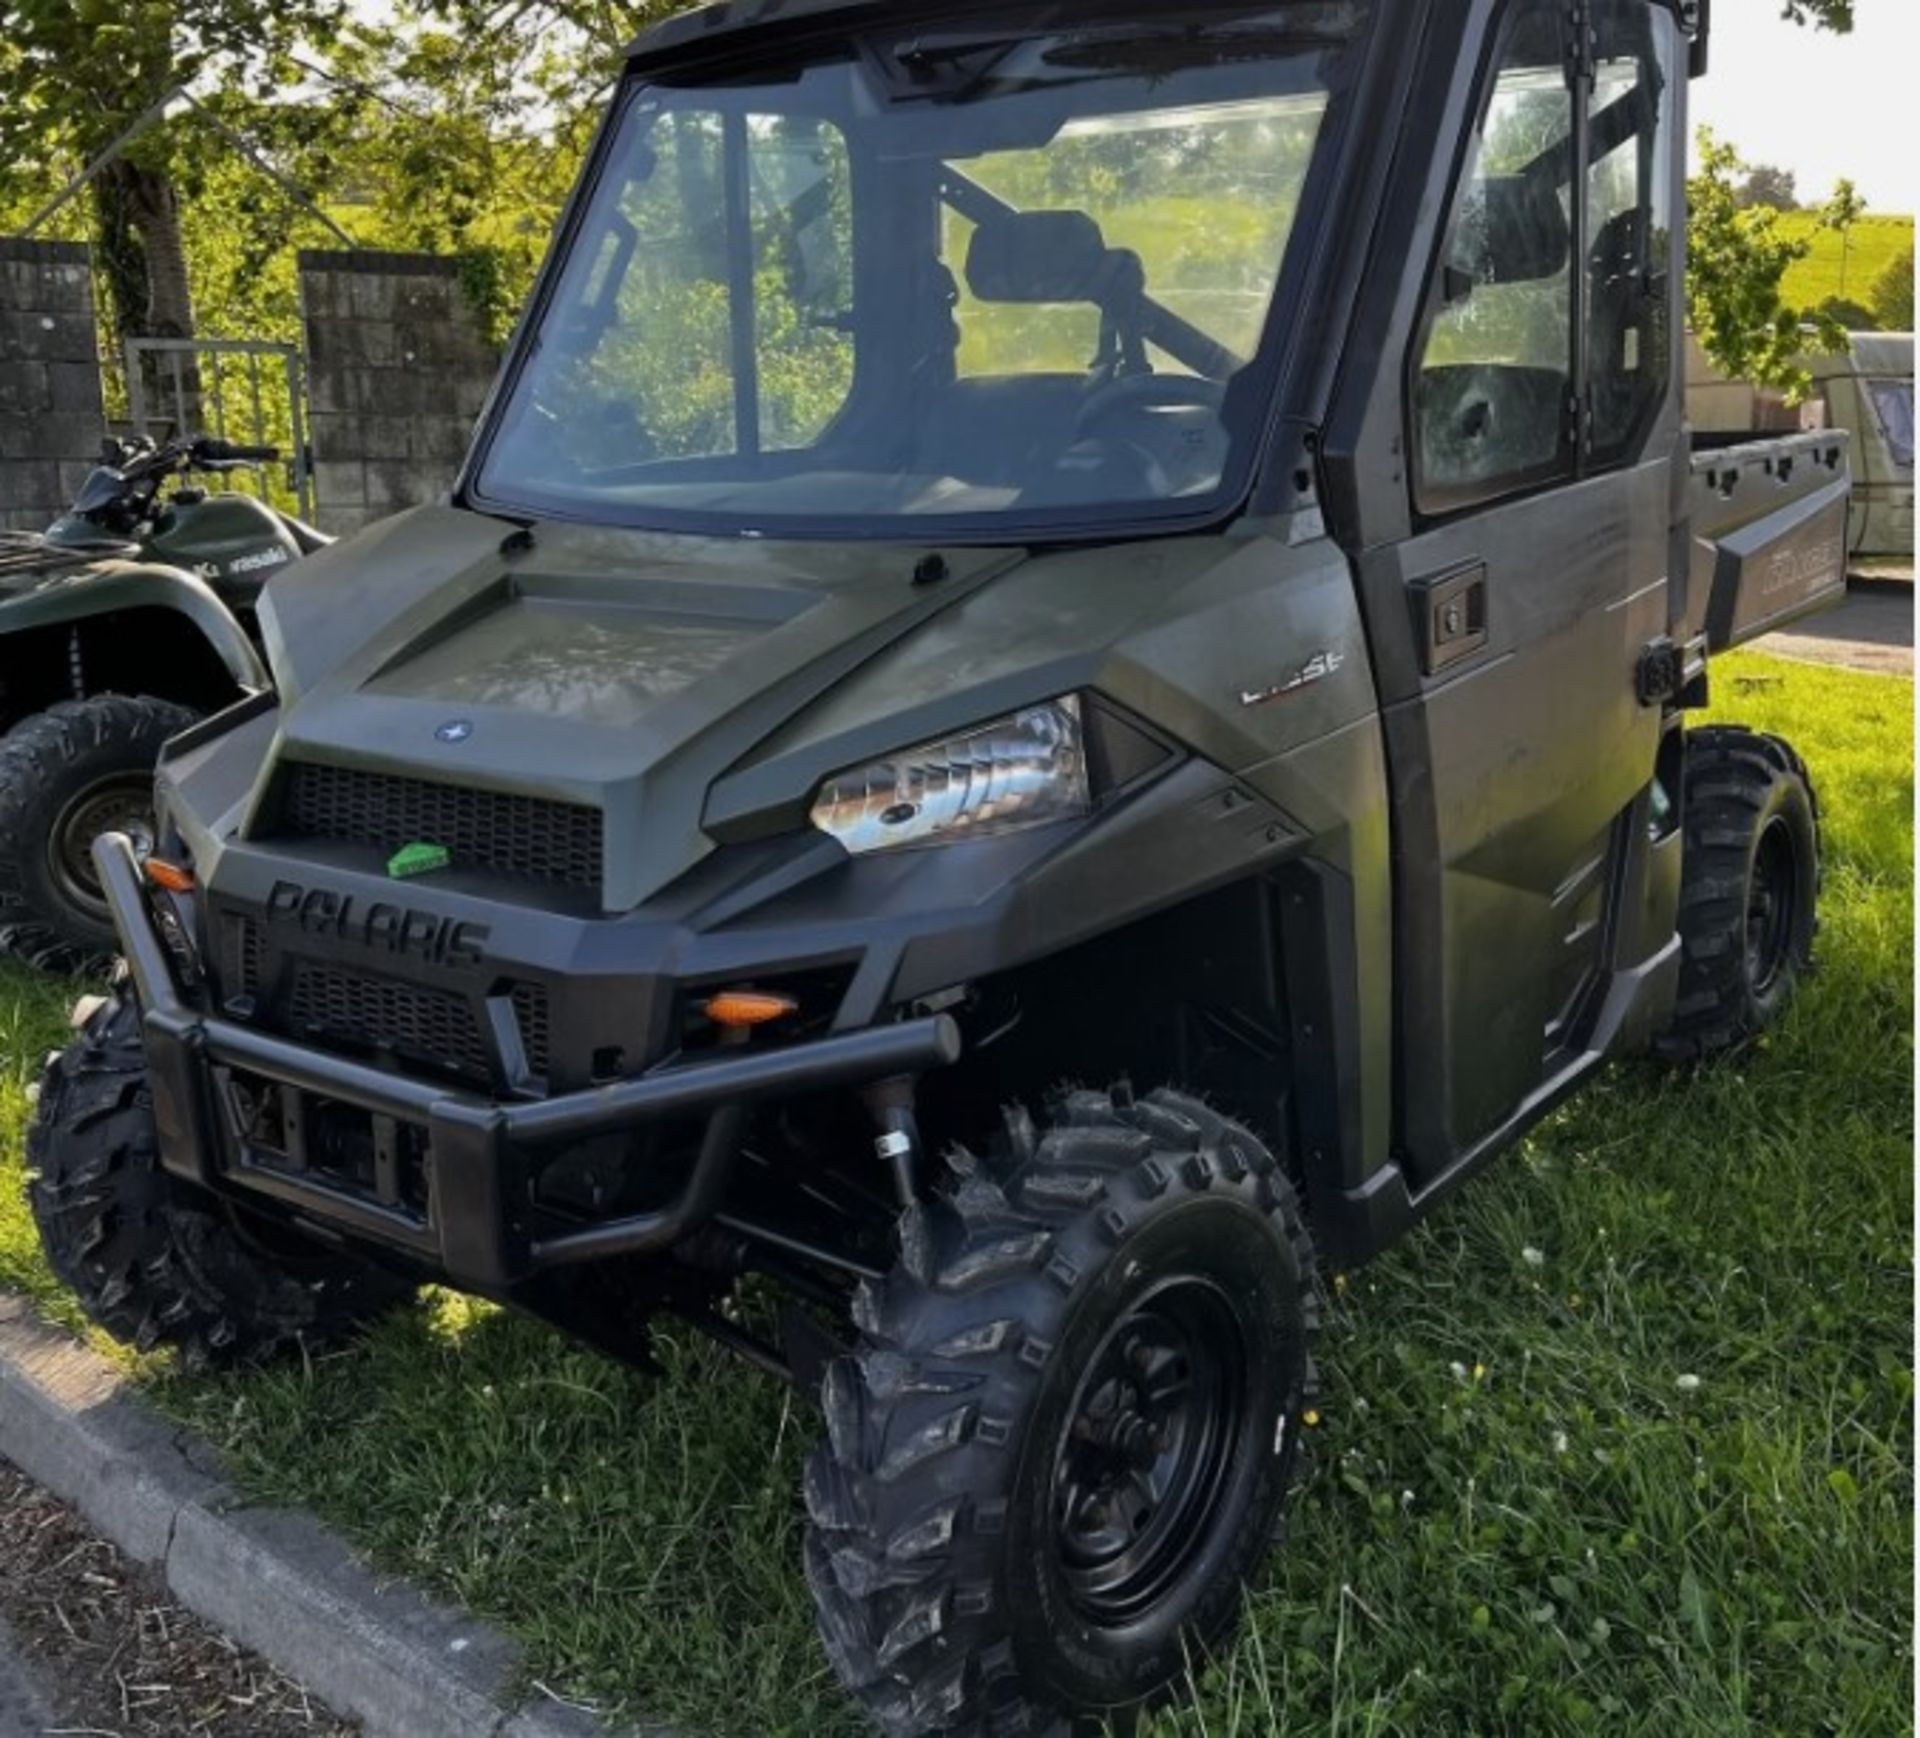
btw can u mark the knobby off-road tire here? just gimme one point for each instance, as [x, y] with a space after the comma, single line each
[78, 769]
[1749, 890]
[1127, 1300]
[153, 1261]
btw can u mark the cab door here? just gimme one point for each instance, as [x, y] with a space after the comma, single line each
[1537, 569]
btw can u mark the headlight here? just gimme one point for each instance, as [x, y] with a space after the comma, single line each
[1015, 772]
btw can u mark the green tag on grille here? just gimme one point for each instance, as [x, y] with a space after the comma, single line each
[419, 858]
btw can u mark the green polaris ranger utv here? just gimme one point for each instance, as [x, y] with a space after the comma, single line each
[131, 615]
[1055, 694]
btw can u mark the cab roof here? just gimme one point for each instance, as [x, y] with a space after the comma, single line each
[724, 22]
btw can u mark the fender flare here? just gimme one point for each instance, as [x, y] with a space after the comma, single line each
[79, 594]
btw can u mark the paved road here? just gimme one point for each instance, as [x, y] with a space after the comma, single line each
[23, 1714]
[1872, 631]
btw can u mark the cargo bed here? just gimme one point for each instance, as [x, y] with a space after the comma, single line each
[1769, 521]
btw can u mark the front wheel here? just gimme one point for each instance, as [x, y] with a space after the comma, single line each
[1064, 1444]
[67, 775]
[1749, 890]
[154, 1261]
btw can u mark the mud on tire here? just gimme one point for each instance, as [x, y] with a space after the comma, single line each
[1064, 1321]
[153, 1262]
[1749, 890]
[63, 774]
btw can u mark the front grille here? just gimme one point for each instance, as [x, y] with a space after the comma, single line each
[536, 1027]
[532, 838]
[437, 1028]
[427, 1026]
[250, 955]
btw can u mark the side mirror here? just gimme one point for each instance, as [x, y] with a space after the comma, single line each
[1698, 17]
[1511, 229]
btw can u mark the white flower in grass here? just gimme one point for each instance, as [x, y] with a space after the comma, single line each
[1533, 1257]
[1560, 1442]
[1459, 1371]
[1688, 1384]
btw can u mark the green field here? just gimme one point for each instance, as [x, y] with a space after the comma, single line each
[1620, 1442]
[1876, 242]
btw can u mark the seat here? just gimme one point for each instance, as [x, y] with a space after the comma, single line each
[308, 538]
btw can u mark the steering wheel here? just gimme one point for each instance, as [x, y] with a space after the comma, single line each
[1136, 392]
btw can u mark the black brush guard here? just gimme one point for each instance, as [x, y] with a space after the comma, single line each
[483, 1151]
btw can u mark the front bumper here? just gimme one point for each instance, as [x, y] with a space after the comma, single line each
[451, 1171]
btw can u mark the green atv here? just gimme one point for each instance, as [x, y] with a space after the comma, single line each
[1056, 692]
[129, 617]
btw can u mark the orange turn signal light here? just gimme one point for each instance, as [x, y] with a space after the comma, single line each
[168, 875]
[748, 1007]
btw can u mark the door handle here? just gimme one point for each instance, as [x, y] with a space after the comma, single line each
[1450, 612]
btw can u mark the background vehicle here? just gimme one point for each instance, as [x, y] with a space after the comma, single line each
[1009, 550]
[1866, 389]
[131, 615]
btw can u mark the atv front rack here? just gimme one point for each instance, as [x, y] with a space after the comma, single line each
[470, 1222]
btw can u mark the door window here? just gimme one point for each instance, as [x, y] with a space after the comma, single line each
[1495, 377]
[1630, 223]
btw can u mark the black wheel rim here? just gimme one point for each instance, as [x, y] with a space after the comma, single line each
[1146, 1451]
[1773, 907]
[122, 803]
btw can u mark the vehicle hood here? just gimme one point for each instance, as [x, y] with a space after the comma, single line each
[622, 670]
[698, 690]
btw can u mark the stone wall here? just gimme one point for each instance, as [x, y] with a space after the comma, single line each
[51, 416]
[397, 369]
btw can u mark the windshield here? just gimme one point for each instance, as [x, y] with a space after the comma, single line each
[959, 279]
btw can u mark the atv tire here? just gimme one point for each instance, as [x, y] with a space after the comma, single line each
[1065, 1440]
[78, 769]
[1749, 890]
[152, 1260]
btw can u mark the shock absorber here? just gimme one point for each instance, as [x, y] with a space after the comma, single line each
[76, 664]
[897, 1140]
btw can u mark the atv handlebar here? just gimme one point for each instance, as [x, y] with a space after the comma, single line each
[123, 489]
[209, 451]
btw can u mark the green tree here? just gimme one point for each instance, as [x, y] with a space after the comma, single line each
[1841, 213]
[1892, 295]
[1834, 15]
[1848, 314]
[1768, 185]
[77, 75]
[1738, 258]
[471, 120]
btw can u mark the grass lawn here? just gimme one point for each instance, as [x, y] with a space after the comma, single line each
[1877, 241]
[1620, 1442]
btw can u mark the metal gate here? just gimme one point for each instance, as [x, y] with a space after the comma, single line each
[241, 389]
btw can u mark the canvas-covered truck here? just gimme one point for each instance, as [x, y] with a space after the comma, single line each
[1865, 389]
[1056, 694]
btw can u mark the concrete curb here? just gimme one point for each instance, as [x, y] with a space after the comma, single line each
[273, 1579]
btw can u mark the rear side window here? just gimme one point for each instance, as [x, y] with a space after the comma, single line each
[1893, 405]
[1494, 381]
[1630, 221]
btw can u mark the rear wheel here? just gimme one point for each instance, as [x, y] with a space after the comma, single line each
[154, 1261]
[1065, 1442]
[67, 775]
[1749, 890]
